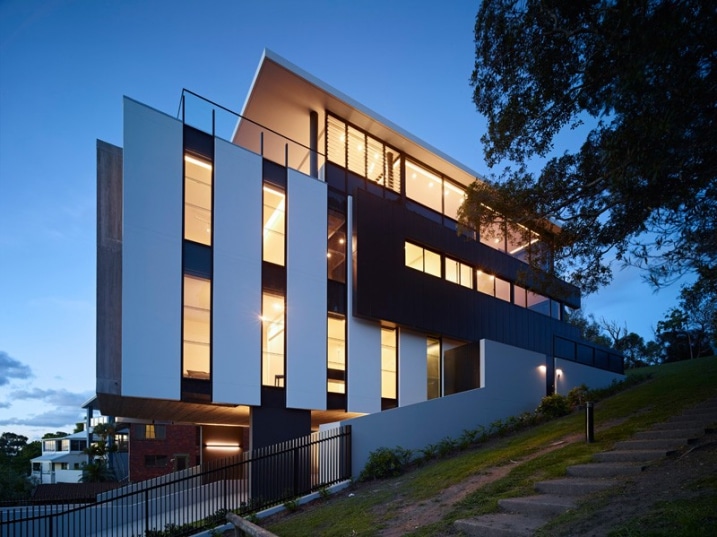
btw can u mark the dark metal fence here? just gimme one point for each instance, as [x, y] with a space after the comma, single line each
[198, 498]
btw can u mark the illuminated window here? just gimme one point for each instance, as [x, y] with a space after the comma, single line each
[150, 431]
[336, 354]
[453, 197]
[336, 141]
[272, 340]
[356, 151]
[274, 225]
[459, 273]
[490, 285]
[197, 200]
[422, 259]
[423, 186]
[336, 243]
[520, 296]
[433, 359]
[389, 360]
[196, 335]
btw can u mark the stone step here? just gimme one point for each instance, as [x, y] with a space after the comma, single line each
[573, 486]
[687, 434]
[605, 469]
[539, 505]
[631, 455]
[500, 525]
[642, 445]
[667, 425]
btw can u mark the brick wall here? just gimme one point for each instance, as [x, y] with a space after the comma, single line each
[150, 458]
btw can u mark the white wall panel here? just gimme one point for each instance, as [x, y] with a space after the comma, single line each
[574, 374]
[151, 253]
[236, 302]
[306, 315]
[364, 366]
[412, 367]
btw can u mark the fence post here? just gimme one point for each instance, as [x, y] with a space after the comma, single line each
[589, 423]
[296, 471]
[146, 511]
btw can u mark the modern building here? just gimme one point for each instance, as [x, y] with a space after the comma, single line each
[61, 459]
[301, 267]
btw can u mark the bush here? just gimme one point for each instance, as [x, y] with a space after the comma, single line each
[383, 463]
[578, 396]
[554, 406]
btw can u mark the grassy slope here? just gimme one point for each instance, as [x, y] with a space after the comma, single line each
[672, 388]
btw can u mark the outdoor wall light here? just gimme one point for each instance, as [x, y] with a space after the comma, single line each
[558, 372]
[543, 369]
[223, 447]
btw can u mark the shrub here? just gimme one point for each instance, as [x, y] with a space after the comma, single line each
[446, 446]
[429, 452]
[578, 396]
[382, 463]
[291, 505]
[554, 406]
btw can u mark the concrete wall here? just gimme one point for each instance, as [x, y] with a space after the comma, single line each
[574, 374]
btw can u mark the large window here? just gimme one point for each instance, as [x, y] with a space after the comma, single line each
[419, 258]
[389, 361]
[490, 285]
[196, 347]
[272, 340]
[423, 186]
[197, 200]
[274, 225]
[433, 359]
[336, 354]
[362, 154]
[150, 431]
[458, 272]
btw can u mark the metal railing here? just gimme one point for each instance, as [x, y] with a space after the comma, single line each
[197, 500]
[221, 122]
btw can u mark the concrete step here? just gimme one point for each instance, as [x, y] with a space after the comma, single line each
[573, 486]
[500, 525]
[540, 505]
[605, 469]
[631, 455]
[659, 443]
[687, 434]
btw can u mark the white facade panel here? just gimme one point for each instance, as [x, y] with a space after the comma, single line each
[306, 310]
[364, 366]
[236, 301]
[151, 253]
[412, 368]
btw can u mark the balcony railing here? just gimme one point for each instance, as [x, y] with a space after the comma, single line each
[221, 122]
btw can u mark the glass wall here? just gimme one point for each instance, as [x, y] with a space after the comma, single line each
[197, 200]
[493, 286]
[389, 361]
[336, 354]
[336, 247]
[274, 235]
[433, 362]
[424, 187]
[272, 340]
[196, 328]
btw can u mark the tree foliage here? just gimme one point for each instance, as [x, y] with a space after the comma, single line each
[640, 76]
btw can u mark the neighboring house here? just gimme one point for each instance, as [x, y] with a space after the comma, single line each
[302, 269]
[61, 459]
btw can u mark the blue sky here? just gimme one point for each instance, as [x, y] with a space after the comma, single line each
[64, 67]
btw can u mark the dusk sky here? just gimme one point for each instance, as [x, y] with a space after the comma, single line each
[64, 68]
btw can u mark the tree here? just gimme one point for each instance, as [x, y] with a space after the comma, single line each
[641, 78]
[680, 338]
[590, 329]
[11, 444]
[15, 457]
[633, 349]
[99, 468]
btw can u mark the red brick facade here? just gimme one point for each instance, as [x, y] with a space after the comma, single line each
[155, 450]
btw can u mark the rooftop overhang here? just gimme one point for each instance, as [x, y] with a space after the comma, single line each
[282, 95]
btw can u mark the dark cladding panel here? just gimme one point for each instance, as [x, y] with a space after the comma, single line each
[387, 290]
[461, 368]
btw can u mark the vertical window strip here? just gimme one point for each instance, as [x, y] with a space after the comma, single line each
[433, 365]
[197, 200]
[336, 354]
[272, 340]
[196, 328]
[389, 364]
